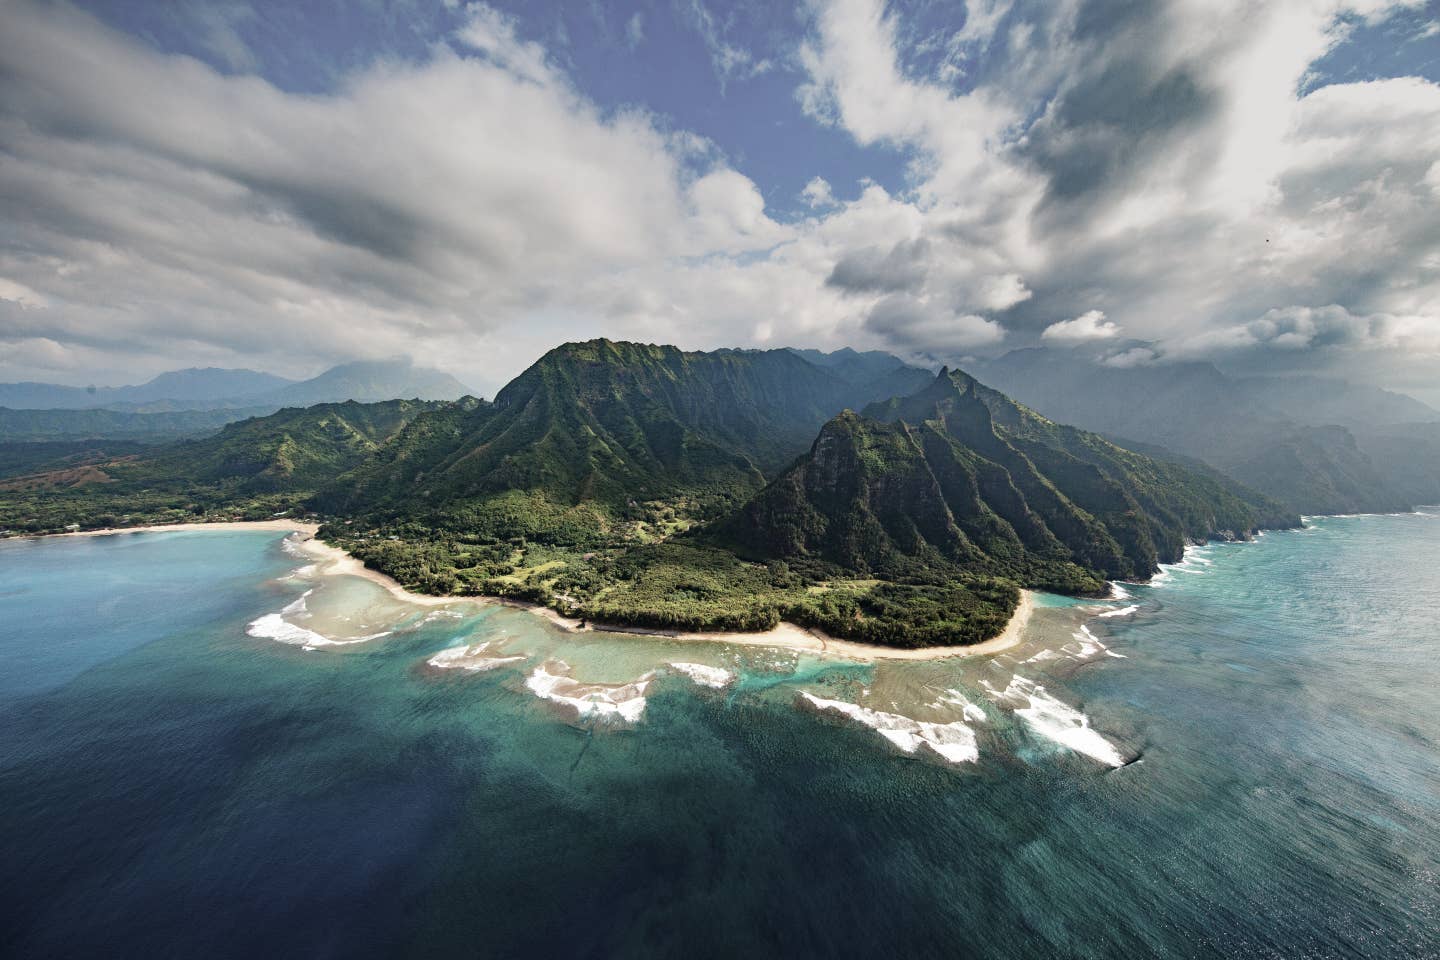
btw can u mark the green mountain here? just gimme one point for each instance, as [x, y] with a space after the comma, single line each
[1322, 470]
[294, 449]
[1408, 456]
[960, 477]
[627, 483]
[600, 434]
[250, 468]
[876, 373]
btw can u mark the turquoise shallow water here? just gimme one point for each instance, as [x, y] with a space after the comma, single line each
[174, 787]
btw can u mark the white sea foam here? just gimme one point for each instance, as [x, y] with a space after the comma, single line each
[1087, 645]
[705, 676]
[291, 545]
[624, 701]
[952, 742]
[274, 626]
[1044, 655]
[469, 658]
[297, 606]
[1122, 612]
[434, 615]
[1055, 720]
[306, 572]
[1117, 592]
[968, 710]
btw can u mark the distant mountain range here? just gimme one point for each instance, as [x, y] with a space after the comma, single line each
[1316, 445]
[213, 388]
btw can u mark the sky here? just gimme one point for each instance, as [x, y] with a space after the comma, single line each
[286, 186]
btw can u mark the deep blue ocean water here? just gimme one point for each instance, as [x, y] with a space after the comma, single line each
[171, 787]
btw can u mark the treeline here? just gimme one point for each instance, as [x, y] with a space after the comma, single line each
[688, 587]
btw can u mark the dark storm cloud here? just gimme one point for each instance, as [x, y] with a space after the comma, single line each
[1123, 106]
[873, 270]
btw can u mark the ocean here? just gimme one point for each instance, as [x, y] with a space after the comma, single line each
[207, 749]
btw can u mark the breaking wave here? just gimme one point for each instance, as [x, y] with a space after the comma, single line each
[952, 742]
[703, 675]
[620, 701]
[1055, 720]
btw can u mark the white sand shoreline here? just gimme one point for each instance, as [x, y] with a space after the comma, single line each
[293, 526]
[333, 561]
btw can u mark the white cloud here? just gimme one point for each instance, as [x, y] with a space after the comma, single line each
[491, 32]
[1090, 325]
[1133, 357]
[635, 30]
[473, 207]
[982, 19]
[730, 60]
[21, 295]
[817, 193]
[1296, 328]
[1175, 175]
[421, 208]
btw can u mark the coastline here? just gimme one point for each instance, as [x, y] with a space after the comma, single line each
[293, 526]
[789, 636]
[786, 635]
[333, 561]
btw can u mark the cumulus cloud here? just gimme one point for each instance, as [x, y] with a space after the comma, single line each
[872, 270]
[421, 207]
[920, 327]
[1300, 328]
[817, 193]
[1171, 169]
[1090, 325]
[1157, 159]
[1133, 357]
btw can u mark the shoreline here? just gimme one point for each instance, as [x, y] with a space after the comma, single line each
[333, 561]
[293, 526]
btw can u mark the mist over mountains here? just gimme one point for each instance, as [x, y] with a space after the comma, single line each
[1316, 445]
[213, 388]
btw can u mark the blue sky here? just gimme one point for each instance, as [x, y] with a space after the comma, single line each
[283, 186]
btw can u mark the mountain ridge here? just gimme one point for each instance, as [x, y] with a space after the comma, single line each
[1239, 426]
[645, 485]
[210, 388]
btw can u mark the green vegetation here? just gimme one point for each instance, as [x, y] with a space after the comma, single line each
[642, 485]
[250, 470]
[116, 425]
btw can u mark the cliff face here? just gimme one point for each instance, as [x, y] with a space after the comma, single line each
[961, 477]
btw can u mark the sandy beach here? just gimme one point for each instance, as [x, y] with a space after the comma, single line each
[791, 636]
[333, 561]
[293, 526]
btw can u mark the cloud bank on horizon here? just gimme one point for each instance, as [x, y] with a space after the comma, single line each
[237, 185]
